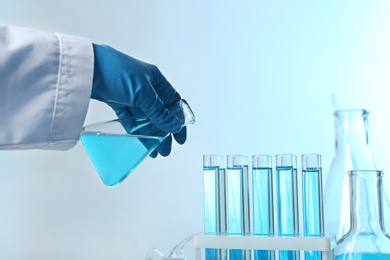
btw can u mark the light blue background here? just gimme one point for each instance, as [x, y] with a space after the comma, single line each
[258, 75]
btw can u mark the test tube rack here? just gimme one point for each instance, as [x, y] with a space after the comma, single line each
[325, 244]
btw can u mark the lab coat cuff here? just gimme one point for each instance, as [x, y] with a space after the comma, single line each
[74, 86]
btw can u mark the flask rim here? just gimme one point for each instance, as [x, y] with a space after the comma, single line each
[366, 173]
[352, 111]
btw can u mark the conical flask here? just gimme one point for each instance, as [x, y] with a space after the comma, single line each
[117, 147]
[352, 153]
[367, 238]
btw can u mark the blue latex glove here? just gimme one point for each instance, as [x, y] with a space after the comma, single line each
[135, 88]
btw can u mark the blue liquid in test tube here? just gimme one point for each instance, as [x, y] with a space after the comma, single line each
[214, 202]
[262, 190]
[237, 199]
[287, 197]
[313, 214]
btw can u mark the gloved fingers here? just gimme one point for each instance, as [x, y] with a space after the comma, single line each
[149, 137]
[165, 147]
[153, 154]
[154, 108]
[165, 91]
[146, 134]
[136, 112]
[121, 112]
[181, 136]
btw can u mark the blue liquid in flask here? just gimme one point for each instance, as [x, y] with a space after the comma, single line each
[363, 256]
[262, 207]
[116, 156]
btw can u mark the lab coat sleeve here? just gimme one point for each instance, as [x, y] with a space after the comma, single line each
[45, 88]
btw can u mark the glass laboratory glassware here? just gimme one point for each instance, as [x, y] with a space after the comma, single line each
[312, 200]
[214, 195]
[262, 201]
[352, 152]
[366, 238]
[116, 148]
[287, 200]
[237, 200]
[177, 253]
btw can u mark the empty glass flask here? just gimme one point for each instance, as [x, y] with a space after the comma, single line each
[352, 152]
[366, 238]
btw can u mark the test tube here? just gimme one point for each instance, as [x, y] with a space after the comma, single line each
[214, 167]
[237, 198]
[263, 210]
[287, 200]
[313, 213]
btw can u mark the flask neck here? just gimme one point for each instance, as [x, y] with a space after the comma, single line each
[352, 139]
[351, 128]
[366, 201]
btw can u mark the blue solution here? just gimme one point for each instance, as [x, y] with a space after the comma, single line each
[116, 156]
[214, 207]
[263, 217]
[237, 198]
[363, 257]
[312, 207]
[287, 197]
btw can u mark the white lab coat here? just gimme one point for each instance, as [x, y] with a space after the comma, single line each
[45, 88]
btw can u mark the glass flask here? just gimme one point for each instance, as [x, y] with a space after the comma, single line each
[366, 238]
[116, 148]
[351, 153]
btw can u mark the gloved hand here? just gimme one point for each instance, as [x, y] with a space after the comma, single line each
[135, 88]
